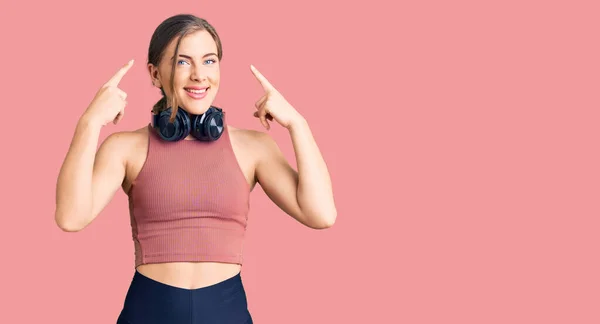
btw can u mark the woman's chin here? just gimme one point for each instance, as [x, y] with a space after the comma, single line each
[196, 108]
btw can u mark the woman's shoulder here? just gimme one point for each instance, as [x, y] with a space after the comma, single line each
[124, 142]
[249, 137]
[259, 143]
[128, 137]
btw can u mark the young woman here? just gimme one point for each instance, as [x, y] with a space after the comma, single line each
[188, 176]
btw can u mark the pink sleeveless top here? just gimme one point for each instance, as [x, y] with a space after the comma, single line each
[189, 202]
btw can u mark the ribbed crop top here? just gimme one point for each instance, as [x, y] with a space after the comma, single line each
[189, 202]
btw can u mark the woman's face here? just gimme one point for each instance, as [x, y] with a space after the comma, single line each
[197, 72]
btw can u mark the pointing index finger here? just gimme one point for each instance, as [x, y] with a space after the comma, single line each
[114, 81]
[261, 78]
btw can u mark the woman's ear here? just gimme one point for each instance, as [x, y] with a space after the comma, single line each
[153, 70]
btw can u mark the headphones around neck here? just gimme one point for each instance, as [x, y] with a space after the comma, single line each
[206, 127]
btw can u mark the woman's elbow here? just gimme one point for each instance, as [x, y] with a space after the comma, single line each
[324, 220]
[67, 224]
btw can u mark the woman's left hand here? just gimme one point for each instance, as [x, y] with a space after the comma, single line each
[272, 105]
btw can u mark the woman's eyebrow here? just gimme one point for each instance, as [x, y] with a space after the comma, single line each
[203, 56]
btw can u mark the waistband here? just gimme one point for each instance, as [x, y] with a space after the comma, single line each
[225, 285]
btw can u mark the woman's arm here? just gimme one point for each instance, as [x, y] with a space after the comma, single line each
[306, 194]
[89, 179]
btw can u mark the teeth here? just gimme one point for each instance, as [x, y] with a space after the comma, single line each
[196, 91]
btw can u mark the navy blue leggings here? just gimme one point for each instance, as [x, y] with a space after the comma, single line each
[151, 302]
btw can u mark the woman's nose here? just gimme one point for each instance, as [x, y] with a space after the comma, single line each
[197, 74]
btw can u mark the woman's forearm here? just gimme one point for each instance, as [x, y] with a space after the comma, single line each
[315, 192]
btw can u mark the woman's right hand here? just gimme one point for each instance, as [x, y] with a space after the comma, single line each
[109, 103]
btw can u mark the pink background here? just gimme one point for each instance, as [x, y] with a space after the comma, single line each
[462, 140]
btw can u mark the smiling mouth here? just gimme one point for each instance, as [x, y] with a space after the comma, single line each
[196, 91]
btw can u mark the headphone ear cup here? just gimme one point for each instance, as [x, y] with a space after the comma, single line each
[214, 126]
[177, 130]
[209, 126]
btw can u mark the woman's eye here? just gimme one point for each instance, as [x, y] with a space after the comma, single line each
[208, 61]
